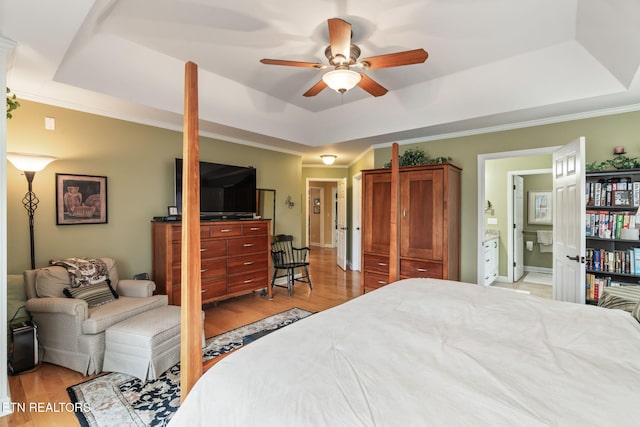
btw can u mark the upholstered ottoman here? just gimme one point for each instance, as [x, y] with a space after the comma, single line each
[145, 345]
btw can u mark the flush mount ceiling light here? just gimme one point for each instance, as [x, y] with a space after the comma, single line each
[341, 80]
[328, 159]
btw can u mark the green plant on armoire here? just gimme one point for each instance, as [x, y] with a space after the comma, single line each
[12, 103]
[416, 157]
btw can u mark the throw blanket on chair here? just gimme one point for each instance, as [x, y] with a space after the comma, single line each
[84, 271]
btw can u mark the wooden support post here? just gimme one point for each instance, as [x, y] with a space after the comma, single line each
[191, 298]
[394, 241]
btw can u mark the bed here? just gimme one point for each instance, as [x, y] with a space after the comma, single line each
[431, 352]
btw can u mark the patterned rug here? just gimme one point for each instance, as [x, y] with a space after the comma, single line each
[117, 399]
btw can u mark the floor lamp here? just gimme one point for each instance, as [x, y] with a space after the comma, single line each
[30, 164]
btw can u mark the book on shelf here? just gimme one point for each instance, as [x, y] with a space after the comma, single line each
[602, 193]
[609, 225]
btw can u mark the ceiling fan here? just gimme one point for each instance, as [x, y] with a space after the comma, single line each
[343, 57]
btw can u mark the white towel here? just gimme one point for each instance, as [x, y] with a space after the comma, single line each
[545, 240]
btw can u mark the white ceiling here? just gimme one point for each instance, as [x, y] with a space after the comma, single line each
[492, 63]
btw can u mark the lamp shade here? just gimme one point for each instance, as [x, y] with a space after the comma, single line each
[29, 162]
[341, 80]
[328, 159]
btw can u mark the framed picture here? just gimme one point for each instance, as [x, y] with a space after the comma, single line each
[316, 206]
[540, 207]
[622, 198]
[81, 199]
[173, 210]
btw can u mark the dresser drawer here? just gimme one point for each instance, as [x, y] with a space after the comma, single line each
[209, 289]
[376, 263]
[225, 230]
[176, 233]
[208, 249]
[412, 268]
[375, 280]
[253, 229]
[248, 281]
[236, 265]
[208, 269]
[248, 245]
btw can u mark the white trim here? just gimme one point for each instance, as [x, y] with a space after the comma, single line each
[356, 209]
[510, 242]
[6, 46]
[533, 269]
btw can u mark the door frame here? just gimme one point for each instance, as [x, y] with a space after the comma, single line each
[356, 221]
[482, 158]
[308, 200]
[510, 215]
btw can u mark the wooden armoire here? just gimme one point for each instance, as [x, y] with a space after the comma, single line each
[428, 224]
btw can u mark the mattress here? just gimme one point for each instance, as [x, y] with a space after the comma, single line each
[431, 352]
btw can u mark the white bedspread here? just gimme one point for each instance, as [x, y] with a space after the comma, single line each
[425, 352]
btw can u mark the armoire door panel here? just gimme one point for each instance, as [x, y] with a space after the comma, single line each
[422, 214]
[377, 213]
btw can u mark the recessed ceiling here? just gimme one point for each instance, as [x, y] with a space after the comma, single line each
[491, 63]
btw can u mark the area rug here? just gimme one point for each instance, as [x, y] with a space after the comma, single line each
[117, 399]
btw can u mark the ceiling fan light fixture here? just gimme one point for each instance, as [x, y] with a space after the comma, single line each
[328, 159]
[341, 80]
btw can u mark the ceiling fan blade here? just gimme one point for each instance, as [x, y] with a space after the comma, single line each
[408, 57]
[291, 63]
[340, 38]
[371, 86]
[315, 89]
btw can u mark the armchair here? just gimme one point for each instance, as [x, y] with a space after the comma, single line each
[71, 333]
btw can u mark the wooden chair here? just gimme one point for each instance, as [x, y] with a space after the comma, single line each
[288, 258]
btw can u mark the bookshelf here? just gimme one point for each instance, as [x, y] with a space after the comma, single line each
[612, 224]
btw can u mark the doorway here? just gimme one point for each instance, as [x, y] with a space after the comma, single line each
[496, 179]
[326, 215]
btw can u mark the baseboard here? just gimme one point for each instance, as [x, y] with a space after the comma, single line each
[545, 270]
[283, 280]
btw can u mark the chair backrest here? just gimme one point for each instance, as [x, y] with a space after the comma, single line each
[283, 252]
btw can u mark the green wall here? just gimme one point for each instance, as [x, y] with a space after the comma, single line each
[138, 163]
[602, 134]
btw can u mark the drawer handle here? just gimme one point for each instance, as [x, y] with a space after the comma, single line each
[203, 270]
[203, 249]
[382, 282]
[226, 230]
[204, 291]
[421, 270]
[249, 262]
[255, 228]
[382, 264]
[248, 245]
[248, 281]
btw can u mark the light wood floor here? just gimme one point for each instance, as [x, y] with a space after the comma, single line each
[331, 286]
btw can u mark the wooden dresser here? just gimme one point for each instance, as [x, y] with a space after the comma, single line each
[428, 223]
[235, 258]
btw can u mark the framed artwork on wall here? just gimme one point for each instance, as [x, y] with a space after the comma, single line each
[81, 199]
[540, 207]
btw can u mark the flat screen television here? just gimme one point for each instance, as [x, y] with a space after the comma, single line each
[225, 190]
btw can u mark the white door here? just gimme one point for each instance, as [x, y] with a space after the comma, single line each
[569, 223]
[518, 228]
[356, 221]
[342, 224]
